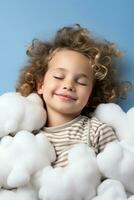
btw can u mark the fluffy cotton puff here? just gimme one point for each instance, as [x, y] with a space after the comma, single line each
[122, 122]
[20, 113]
[77, 181]
[22, 193]
[23, 155]
[83, 158]
[117, 162]
[111, 190]
[131, 198]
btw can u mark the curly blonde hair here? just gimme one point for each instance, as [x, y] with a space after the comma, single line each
[103, 54]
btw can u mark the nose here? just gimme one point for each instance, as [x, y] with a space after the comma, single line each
[68, 85]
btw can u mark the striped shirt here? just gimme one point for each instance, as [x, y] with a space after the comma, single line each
[80, 130]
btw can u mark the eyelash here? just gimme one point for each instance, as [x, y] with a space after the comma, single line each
[60, 78]
[56, 77]
[83, 84]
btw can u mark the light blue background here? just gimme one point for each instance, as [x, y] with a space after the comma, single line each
[23, 20]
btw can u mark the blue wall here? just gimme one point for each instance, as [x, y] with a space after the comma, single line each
[21, 21]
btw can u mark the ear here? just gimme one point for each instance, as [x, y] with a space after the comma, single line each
[40, 88]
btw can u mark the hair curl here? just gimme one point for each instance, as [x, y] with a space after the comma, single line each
[103, 54]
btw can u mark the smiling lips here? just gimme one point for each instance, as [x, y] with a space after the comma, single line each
[66, 97]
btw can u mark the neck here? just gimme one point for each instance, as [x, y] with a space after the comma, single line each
[56, 119]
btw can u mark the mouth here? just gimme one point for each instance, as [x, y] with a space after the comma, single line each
[66, 97]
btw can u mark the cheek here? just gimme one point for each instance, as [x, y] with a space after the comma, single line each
[85, 95]
[48, 89]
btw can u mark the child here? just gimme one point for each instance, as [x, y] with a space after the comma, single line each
[73, 73]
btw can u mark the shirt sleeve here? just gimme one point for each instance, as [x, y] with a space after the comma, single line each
[101, 136]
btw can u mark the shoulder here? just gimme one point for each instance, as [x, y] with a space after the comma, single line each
[98, 127]
[95, 123]
[101, 134]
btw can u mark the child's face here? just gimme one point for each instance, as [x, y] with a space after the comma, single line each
[68, 83]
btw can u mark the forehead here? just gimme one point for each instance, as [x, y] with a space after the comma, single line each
[70, 60]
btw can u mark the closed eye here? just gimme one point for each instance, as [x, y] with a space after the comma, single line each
[82, 81]
[58, 77]
[84, 84]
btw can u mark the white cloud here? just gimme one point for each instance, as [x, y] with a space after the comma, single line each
[23, 193]
[111, 189]
[117, 162]
[18, 113]
[122, 122]
[25, 158]
[23, 155]
[77, 181]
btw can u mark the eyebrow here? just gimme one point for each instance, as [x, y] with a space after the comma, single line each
[79, 74]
